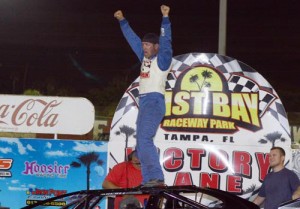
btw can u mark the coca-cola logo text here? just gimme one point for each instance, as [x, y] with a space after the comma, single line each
[30, 112]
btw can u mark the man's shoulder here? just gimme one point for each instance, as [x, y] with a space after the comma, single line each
[120, 165]
[286, 173]
[286, 170]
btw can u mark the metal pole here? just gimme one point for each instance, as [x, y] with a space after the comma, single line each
[222, 27]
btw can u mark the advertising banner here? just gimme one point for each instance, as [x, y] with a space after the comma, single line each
[222, 117]
[295, 132]
[33, 170]
[51, 115]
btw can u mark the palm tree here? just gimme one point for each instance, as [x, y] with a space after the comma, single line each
[87, 159]
[250, 190]
[205, 74]
[194, 79]
[127, 131]
[207, 84]
[272, 137]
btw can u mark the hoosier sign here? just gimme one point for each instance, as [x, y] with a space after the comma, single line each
[222, 118]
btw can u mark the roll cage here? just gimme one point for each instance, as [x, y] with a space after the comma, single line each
[168, 197]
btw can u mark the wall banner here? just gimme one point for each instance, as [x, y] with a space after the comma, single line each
[33, 170]
[222, 117]
[51, 115]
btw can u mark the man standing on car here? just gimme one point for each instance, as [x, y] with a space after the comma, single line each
[155, 53]
[280, 185]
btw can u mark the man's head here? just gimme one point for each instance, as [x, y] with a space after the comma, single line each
[134, 159]
[277, 157]
[150, 43]
[130, 202]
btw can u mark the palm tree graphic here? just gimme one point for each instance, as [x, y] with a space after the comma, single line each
[194, 79]
[128, 132]
[205, 74]
[272, 137]
[87, 159]
[252, 190]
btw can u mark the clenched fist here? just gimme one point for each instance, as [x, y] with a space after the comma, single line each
[165, 10]
[119, 15]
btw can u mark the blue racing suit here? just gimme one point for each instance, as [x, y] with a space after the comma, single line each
[152, 102]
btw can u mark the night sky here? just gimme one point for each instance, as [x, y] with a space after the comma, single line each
[78, 45]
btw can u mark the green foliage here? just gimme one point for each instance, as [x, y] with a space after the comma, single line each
[32, 92]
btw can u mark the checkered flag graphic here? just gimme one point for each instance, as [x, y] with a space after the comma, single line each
[277, 110]
[241, 84]
[171, 80]
[238, 83]
[128, 101]
[265, 99]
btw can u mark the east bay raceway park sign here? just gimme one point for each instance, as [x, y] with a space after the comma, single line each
[222, 117]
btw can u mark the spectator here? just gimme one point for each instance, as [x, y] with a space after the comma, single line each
[280, 185]
[125, 175]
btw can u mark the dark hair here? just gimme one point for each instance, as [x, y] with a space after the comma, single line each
[151, 38]
[130, 203]
[131, 155]
[282, 152]
[132, 206]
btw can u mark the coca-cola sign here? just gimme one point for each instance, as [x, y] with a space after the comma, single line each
[55, 115]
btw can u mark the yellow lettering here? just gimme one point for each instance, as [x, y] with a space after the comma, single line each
[220, 105]
[178, 122]
[168, 100]
[231, 125]
[252, 107]
[237, 106]
[166, 123]
[212, 123]
[224, 124]
[203, 123]
[221, 124]
[193, 122]
[173, 123]
[239, 110]
[186, 122]
[183, 105]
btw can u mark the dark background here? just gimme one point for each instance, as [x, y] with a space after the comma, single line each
[75, 48]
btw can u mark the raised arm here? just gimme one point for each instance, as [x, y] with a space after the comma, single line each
[133, 40]
[165, 10]
[165, 40]
[119, 15]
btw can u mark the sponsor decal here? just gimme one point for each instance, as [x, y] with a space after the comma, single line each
[5, 166]
[36, 195]
[47, 192]
[43, 170]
